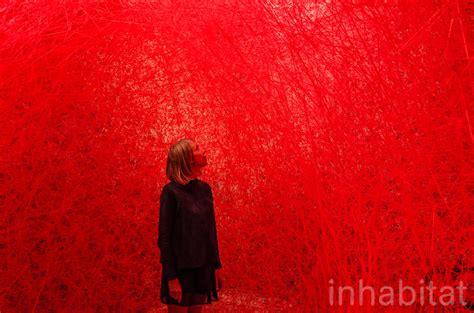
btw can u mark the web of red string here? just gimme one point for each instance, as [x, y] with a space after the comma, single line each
[339, 139]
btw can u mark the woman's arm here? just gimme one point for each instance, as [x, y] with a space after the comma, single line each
[165, 233]
[218, 264]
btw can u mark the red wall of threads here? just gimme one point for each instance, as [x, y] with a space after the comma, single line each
[338, 135]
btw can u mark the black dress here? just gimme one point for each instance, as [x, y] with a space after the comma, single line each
[187, 238]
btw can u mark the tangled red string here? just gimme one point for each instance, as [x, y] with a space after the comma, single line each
[339, 137]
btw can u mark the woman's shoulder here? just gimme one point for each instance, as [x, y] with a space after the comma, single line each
[172, 185]
[168, 187]
[205, 184]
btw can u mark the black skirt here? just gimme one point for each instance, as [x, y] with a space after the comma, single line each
[198, 286]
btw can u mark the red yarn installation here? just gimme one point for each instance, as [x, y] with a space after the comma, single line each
[339, 138]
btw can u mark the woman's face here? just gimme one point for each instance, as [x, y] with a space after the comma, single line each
[200, 159]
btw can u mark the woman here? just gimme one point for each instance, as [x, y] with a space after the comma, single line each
[187, 235]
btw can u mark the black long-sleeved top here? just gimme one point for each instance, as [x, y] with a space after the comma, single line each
[187, 234]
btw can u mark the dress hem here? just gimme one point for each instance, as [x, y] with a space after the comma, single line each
[188, 305]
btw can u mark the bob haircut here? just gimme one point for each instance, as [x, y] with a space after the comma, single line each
[180, 161]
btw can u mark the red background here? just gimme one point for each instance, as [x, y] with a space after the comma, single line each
[339, 139]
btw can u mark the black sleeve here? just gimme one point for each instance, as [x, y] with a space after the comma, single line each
[165, 233]
[218, 264]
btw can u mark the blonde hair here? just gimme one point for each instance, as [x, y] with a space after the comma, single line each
[180, 161]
